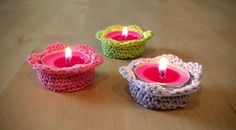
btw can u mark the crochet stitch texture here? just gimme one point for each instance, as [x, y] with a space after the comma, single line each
[123, 49]
[66, 79]
[155, 96]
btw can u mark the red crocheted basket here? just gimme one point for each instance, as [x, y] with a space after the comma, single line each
[66, 79]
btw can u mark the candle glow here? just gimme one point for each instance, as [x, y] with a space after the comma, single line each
[68, 54]
[162, 67]
[125, 31]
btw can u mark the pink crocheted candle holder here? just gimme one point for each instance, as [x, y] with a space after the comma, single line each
[65, 79]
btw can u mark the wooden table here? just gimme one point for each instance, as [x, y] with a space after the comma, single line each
[195, 30]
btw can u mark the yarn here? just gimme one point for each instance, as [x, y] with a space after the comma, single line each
[155, 96]
[123, 49]
[67, 79]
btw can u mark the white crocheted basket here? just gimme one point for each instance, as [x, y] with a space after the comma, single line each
[153, 95]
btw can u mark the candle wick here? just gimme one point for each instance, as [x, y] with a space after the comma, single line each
[125, 32]
[68, 59]
[162, 74]
[124, 36]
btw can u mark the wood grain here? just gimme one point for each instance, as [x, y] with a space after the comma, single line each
[196, 30]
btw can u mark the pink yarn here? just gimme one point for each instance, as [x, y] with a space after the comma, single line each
[68, 79]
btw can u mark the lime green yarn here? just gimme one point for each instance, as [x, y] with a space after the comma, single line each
[119, 52]
[123, 49]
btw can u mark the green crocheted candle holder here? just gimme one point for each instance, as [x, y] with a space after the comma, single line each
[123, 49]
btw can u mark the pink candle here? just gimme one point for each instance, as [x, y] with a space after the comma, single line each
[65, 58]
[124, 35]
[162, 74]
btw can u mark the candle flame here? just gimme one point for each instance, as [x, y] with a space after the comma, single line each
[125, 31]
[162, 66]
[68, 54]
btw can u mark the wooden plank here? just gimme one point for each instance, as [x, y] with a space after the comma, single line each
[195, 30]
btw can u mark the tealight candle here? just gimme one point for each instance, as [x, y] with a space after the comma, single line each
[162, 73]
[158, 83]
[65, 58]
[124, 35]
[62, 69]
[123, 42]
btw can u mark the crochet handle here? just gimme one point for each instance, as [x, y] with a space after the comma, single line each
[98, 60]
[195, 69]
[56, 46]
[84, 48]
[147, 34]
[125, 72]
[35, 58]
[98, 35]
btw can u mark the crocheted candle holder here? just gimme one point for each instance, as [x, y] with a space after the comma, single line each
[155, 96]
[65, 79]
[123, 49]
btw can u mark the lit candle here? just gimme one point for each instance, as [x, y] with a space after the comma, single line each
[64, 69]
[125, 31]
[118, 40]
[162, 67]
[68, 54]
[156, 83]
[66, 58]
[124, 35]
[162, 73]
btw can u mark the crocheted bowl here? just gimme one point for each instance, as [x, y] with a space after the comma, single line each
[154, 96]
[65, 79]
[123, 49]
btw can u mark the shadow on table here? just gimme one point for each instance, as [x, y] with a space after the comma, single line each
[98, 79]
[193, 101]
[121, 88]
